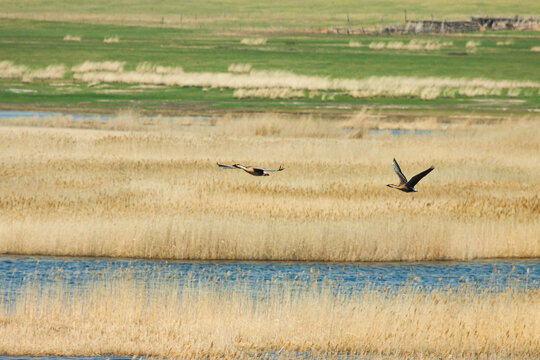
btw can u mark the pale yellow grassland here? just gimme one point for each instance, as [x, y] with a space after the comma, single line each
[71, 38]
[152, 189]
[111, 40]
[205, 321]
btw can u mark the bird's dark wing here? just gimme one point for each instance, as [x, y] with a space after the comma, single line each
[272, 170]
[416, 178]
[225, 166]
[258, 171]
[402, 178]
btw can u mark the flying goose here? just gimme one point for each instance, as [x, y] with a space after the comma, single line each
[255, 171]
[404, 185]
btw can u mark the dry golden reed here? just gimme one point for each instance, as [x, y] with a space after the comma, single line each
[204, 320]
[139, 187]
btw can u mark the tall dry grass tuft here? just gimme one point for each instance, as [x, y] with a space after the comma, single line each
[505, 43]
[151, 189]
[8, 70]
[239, 68]
[111, 40]
[92, 66]
[51, 72]
[535, 49]
[206, 320]
[253, 41]
[354, 44]
[471, 44]
[72, 38]
[147, 67]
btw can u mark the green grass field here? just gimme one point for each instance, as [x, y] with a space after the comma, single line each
[37, 44]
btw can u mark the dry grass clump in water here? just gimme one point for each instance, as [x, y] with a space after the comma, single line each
[153, 190]
[253, 41]
[90, 66]
[111, 40]
[71, 38]
[203, 320]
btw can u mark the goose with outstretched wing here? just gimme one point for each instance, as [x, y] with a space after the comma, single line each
[252, 170]
[404, 185]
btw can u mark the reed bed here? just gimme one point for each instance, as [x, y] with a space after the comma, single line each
[248, 82]
[207, 320]
[135, 187]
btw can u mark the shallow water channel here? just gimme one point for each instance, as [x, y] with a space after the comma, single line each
[17, 271]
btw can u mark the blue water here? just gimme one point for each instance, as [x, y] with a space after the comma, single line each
[398, 132]
[10, 114]
[17, 271]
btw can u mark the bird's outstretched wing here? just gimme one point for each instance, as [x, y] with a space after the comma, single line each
[272, 170]
[416, 178]
[402, 178]
[225, 166]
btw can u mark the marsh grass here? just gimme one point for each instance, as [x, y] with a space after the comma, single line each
[210, 319]
[151, 189]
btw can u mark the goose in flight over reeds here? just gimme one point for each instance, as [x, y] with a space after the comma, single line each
[404, 185]
[255, 171]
